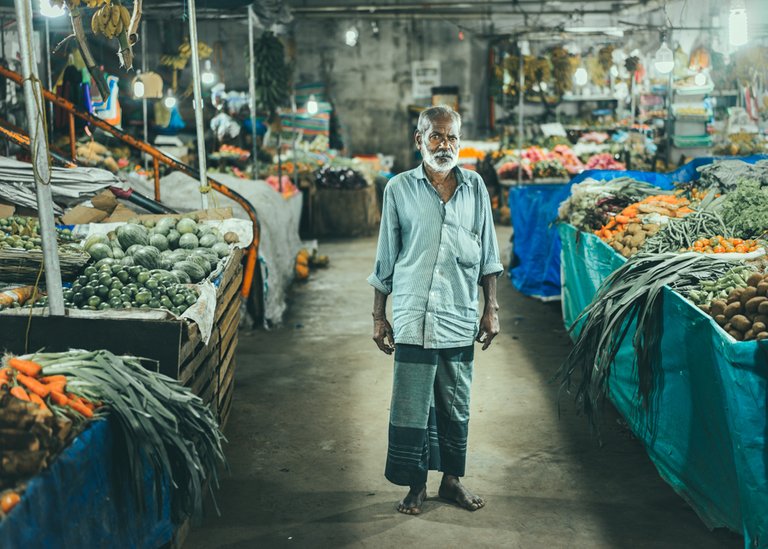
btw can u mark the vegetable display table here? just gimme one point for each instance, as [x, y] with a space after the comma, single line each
[84, 500]
[535, 263]
[705, 430]
[176, 347]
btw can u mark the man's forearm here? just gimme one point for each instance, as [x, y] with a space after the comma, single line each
[489, 292]
[379, 305]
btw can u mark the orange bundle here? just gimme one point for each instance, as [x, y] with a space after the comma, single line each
[721, 245]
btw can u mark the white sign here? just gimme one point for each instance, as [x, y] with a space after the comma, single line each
[554, 128]
[425, 76]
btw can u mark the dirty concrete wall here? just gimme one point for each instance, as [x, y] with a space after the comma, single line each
[370, 84]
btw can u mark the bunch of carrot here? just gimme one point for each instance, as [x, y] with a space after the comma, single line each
[23, 378]
[721, 245]
[663, 204]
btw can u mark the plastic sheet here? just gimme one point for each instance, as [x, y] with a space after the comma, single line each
[84, 500]
[706, 429]
[535, 264]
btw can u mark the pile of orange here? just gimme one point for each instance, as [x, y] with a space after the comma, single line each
[721, 245]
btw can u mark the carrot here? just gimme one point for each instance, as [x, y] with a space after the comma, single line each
[58, 386]
[623, 219]
[59, 398]
[53, 379]
[5, 373]
[33, 385]
[80, 407]
[37, 400]
[25, 366]
[20, 393]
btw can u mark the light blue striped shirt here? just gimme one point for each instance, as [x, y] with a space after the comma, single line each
[432, 256]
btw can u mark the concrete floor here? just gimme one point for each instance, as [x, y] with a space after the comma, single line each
[308, 436]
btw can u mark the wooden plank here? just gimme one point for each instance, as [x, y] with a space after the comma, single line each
[232, 295]
[153, 339]
[223, 369]
[226, 409]
[229, 378]
[233, 265]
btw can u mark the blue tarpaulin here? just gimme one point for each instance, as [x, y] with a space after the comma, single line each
[535, 264]
[84, 499]
[706, 429]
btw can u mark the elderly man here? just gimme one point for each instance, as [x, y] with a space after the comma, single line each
[436, 245]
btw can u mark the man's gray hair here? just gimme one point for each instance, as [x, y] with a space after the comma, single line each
[427, 116]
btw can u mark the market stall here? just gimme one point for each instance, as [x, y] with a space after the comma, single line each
[535, 263]
[664, 302]
[705, 428]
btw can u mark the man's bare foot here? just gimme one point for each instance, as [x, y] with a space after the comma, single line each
[411, 504]
[452, 489]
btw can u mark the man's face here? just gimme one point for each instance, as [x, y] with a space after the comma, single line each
[439, 146]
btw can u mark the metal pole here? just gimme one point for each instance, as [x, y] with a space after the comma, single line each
[520, 92]
[144, 98]
[199, 126]
[35, 106]
[252, 93]
[293, 144]
[49, 74]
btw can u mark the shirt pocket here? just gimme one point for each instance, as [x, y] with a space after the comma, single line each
[468, 248]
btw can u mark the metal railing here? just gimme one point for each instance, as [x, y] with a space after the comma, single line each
[158, 157]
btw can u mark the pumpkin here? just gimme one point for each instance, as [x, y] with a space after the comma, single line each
[302, 265]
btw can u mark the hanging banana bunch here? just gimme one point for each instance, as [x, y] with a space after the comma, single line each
[179, 62]
[113, 20]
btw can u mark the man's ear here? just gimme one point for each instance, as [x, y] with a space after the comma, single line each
[417, 139]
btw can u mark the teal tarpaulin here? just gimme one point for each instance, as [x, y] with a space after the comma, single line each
[705, 430]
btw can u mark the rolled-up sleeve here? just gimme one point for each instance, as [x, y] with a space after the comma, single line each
[388, 248]
[490, 261]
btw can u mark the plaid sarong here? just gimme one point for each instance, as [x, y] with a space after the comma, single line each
[429, 416]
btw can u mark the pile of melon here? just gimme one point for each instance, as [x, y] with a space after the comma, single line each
[189, 250]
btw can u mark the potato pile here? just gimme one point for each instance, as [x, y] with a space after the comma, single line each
[629, 241]
[744, 315]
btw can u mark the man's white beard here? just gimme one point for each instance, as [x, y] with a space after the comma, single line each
[438, 164]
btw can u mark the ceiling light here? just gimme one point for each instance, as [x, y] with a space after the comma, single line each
[207, 77]
[664, 60]
[138, 88]
[170, 100]
[737, 24]
[47, 9]
[700, 79]
[580, 77]
[611, 31]
[350, 38]
[312, 105]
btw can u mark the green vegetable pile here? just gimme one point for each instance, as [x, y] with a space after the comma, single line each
[721, 288]
[746, 209]
[189, 250]
[114, 286]
[632, 292]
[159, 419]
[23, 233]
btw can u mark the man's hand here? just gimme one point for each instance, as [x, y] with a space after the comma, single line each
[383, 335]
[489, 327]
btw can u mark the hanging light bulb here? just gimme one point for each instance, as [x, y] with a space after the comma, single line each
[700, 79]
[207, 77]
[170, 100]
[737, 23]
[350, 38]
[580, 77]
[138, 86]
[664, 60]
[312, 105]
[47, 9]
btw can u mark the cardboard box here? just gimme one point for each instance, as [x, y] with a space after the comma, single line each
[105, 201]
[7, 210]
[82, 215]
[121, 214]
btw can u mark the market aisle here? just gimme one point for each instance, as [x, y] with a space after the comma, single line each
[307, 439]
